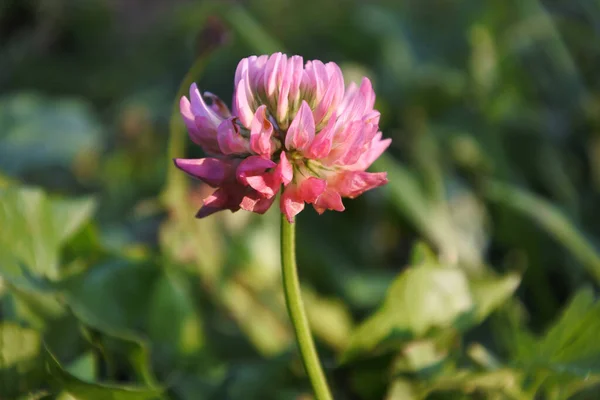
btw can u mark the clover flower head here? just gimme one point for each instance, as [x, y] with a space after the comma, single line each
[293, 125]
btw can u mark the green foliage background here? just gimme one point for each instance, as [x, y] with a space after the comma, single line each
[472, 275]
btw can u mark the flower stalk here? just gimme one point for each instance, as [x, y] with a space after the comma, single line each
[295, 306]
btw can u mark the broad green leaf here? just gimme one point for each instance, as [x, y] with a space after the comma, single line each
[34, 227]
[422, 298]
[420, 356]
[330, 319]
[173, 321]
[491, 292]
[402, 389]
[84, 367]
[20, 366]
[111, 298]
[428, 297]
[91, 391]
[504, 381]
[571, 345]
[17, 344]
[31, 120]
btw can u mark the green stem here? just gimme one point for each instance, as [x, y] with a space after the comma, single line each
[295, 306]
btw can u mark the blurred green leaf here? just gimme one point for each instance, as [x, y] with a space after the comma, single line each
[173, 321]
[502, 383]
[17, 344]
[427, 297]
[491, 292]
[111, 298]
[35, 227]
[402, 389]
[28, 122]
[420, 299]
[19, 359]
[571, 344]
[84, 367]
[92, 391]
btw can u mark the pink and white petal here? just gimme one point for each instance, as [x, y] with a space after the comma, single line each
[301, 132]
[256, 203]
[284, 171]
[329, 200]
[230, 140]
[323, 141]
[210, 170]
[274, 72]
[290, 203]
[242, 103]
[253, 172]
[354, 183]
[261, 131]
[218, 105]
[376, 149]
[327, 104]
[311, 188]
[199, 107]
[242, 69]
[367, 92]
[298, 72]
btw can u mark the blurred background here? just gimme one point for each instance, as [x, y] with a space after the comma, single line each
[472, 275]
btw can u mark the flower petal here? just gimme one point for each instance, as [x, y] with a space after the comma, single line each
[242, 99]
[210, 170]
[290, 203]
[311, 188]
[253, 172]
[261, 131]
[284, 170]
[274, 70]
[230, 140]
[354, 183]
[332, 96]
[321, 145]
[329, 200]
[302, 129]
[256, 203]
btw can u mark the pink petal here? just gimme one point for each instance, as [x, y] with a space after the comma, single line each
[242, 103]
[302, 129]
[241, 72]
[256, 71]
[296, 78]
[333, 94]
[199, 107]
[329, 200]
[211, 170]
[284, 90]
[311, 188]
[253, 172]
[290, 203]
[256, 203]
[185, 109]
[218, 106]
[229, 138]
[261, 131]
[377, 148]
[347, 140]
[284, 170]
[367, 92]
[321, 145]
[354, 183]
[274, 72]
